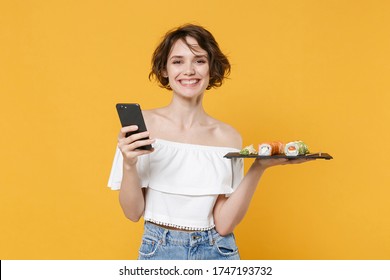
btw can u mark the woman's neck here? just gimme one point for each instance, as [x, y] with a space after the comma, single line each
[186, 112]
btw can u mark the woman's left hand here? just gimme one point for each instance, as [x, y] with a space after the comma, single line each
[266, 163]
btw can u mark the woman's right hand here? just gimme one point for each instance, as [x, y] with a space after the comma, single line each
[129, 146]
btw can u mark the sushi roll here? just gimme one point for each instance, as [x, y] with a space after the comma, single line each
[271, 148]
[296, 148]
[248, 150]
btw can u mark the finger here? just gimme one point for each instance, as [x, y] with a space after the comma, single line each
[137, 144]
[266, 163]
[133, 138]
[273, 161]
[127, 129]
[138, 136]
[300, 160]
[126, 145]
[280, 161]
[132, 155]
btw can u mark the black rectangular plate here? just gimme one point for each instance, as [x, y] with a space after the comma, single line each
[316, 156]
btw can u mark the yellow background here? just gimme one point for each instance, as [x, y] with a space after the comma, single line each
[311, 70]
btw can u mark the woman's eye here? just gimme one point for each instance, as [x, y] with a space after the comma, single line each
[176, 62]
[201, 61]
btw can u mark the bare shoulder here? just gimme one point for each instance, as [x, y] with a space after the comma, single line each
[151, 116]
[153, 119]
[228, 135]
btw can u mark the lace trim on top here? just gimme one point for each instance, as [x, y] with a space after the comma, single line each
[180, 227]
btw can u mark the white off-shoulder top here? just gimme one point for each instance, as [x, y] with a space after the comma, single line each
[183, 182]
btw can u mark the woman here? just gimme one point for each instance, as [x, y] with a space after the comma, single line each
[191, 197]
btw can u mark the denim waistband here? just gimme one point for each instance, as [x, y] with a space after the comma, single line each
[179, 237]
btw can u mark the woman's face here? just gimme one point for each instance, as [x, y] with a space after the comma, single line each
[188, 70]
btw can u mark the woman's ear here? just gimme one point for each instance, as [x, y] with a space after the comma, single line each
[164, 73]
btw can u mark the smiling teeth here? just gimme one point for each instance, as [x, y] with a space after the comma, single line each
[189, 82]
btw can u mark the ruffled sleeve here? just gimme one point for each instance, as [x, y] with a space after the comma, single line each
[115, 179]
[237, 173]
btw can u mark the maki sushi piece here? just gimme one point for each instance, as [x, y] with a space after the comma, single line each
[271, 148]
[296, 148]
[248, 150]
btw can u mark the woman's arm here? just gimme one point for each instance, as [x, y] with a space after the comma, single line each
[131, 195]
[229, 211]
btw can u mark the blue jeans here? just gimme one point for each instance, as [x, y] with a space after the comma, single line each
[159, 243]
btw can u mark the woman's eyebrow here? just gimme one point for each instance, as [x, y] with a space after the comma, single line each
[176, 57]
[201, 56]
[196, 56]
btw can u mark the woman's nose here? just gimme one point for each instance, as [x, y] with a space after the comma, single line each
[190, 70]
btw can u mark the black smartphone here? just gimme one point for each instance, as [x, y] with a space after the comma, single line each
[131, 114]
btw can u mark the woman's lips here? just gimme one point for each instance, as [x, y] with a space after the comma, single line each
[189, 82]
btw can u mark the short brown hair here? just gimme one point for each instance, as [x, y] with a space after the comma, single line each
[218, 62]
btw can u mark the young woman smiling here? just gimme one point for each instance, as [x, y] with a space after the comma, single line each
[190, 196]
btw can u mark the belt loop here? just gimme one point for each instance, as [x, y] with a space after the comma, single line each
[211, 240]
[164, 237]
